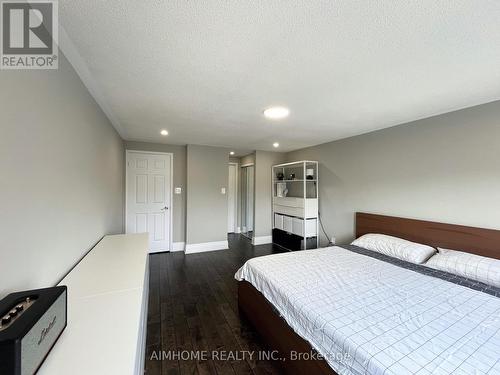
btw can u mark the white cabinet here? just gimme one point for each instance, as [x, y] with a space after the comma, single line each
[295, 204]
[304, 208]
[107, 311]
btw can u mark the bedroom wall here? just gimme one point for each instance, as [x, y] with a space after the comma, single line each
[62, 171]
[445, 168]
[207, 173]
[179, 178]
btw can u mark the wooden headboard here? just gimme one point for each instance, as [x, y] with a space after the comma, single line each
[485, 242]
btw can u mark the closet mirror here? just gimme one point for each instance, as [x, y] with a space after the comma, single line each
[247, 200]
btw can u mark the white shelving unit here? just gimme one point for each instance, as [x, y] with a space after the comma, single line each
[295, 204]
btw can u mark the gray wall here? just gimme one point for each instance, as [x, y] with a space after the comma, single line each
[179, 178]
[264, 160]
[207, 173]
[445, 168]
[62, 168]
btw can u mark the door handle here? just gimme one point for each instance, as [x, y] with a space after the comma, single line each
[164, 208]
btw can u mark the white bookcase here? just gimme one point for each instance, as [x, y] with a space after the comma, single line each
[295, 205]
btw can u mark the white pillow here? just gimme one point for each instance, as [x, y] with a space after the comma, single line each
[475, 267]
[395, 247]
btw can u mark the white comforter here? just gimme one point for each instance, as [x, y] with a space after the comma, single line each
[366, 316]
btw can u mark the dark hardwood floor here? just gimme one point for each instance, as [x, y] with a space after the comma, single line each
[193, 311]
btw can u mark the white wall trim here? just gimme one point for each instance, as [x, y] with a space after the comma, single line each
[179, 246]
[262, 240]
[238, 230]
[206, 246]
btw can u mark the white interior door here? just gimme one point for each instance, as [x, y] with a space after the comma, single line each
[231, 198]
[149, 197]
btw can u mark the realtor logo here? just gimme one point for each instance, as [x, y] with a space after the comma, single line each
[29, 35]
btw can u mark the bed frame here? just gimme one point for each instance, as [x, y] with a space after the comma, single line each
[278, 335]
[485, 242]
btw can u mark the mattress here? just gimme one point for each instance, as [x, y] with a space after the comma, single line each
[367, 315]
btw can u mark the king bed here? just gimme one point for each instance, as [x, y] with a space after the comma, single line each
[350, 310]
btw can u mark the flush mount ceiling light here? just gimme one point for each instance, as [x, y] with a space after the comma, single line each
[231, 153]
[276, 113]
[276, 145]
[164, 132]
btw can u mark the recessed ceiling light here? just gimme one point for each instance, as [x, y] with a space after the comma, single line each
[276, 113]
[276, 145]
[164, 132]
[231, 153]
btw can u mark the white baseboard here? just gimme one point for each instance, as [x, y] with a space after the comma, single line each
[156, 251]
[179, 246]
[238, 230]
[262, 240]
[176, 246]
[206, 246]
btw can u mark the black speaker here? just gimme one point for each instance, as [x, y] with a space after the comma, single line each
[31, 323]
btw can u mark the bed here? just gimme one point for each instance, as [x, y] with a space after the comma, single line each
[346, 310]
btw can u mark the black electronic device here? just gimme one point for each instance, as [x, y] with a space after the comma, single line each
[31, 322]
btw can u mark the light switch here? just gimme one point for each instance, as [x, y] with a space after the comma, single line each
[178, 190]
[223, 190]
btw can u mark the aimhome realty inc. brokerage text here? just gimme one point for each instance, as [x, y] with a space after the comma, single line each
[240, 355]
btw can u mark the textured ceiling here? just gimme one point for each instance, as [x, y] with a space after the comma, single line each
[205, 70]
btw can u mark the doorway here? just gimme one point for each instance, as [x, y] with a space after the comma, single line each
[149, 197]
[247, 200]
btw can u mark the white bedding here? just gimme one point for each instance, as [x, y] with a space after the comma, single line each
[366, 316]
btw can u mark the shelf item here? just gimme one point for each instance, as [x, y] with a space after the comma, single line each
[288, 224]
[310, 227]
[296, 225]
[295, 189]
[310, 174]
[278, 221]
[281, 190]
[295, 204]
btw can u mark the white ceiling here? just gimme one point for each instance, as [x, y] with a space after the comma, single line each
[205, 70]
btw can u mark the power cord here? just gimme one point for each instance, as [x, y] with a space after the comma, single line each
[330, 243]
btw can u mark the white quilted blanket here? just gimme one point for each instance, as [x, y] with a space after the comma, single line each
[367, 316]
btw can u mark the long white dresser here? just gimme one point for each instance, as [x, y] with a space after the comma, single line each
[107, 311]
